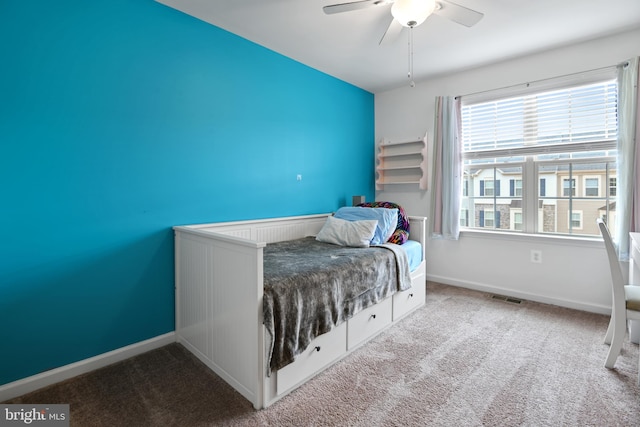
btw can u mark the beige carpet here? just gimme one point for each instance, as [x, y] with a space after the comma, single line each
[464, 360]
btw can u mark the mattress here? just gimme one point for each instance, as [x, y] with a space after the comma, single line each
[414, 253]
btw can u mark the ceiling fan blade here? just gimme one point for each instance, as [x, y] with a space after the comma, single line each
[392, 32]
[457, 13]
[348, 7]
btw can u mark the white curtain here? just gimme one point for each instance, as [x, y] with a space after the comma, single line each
[628, 202]
[447, 167]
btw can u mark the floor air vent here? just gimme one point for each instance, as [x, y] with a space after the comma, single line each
[507, 299]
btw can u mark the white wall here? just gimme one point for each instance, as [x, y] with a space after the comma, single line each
[572, 274]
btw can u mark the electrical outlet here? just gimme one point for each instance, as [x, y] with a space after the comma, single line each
[536, 256]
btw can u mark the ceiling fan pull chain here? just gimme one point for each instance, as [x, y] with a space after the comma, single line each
[409, 54]
[410, 73]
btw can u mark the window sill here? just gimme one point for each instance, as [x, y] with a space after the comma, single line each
[538, 238]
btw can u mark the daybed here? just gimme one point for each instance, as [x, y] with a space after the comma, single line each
[221, 304]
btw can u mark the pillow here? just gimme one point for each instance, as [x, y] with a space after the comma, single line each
[387, 220]
[347, 233]
[401, 233]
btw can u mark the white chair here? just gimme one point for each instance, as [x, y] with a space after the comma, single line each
[625, 305]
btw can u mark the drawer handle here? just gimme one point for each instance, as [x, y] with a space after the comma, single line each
[373, 316]
[317, 348]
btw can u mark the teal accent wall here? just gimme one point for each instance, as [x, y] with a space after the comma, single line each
[122, 118]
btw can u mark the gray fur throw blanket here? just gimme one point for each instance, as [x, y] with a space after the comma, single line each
[310, 287]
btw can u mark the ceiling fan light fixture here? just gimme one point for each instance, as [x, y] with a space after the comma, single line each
[411, 13]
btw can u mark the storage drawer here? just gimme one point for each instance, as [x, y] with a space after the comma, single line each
[322, 351]
[368, 322]
[406, 301]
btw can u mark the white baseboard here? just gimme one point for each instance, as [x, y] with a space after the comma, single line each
[482, 287]
[35, 382]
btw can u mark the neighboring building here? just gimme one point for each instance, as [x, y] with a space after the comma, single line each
[570, 198]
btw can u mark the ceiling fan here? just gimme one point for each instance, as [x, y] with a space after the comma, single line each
[411, 13]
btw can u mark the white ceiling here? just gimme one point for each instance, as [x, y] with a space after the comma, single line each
[346, 45]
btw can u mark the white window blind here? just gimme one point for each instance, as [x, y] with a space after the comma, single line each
[580, 118]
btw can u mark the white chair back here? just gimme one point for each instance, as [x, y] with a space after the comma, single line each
[617, 278]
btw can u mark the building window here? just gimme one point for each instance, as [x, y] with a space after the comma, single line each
[555, 145]
[516, 220]
[515, 187]
[613, 183]
[464, 218]
[575, 220]
[487, 218]
[591, 186]
[489, 188]
[568, 187]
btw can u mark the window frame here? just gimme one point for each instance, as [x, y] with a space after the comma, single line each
[580, 219]
[534, 188]
[612, 190]
[573, 186]
[586, 188]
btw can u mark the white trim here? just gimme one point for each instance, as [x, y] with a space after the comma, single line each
[547, 238]
[482, 287]
[35, 382]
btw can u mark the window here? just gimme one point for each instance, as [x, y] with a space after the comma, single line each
[464, 217]
[612, 186]
[515, 188]
[568, 187]
[575, 220]
[591, 186]
[490, 188]
[555, 146]
[516, 219]
[487, 218]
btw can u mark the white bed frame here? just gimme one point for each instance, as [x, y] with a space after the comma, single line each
[219, 289]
